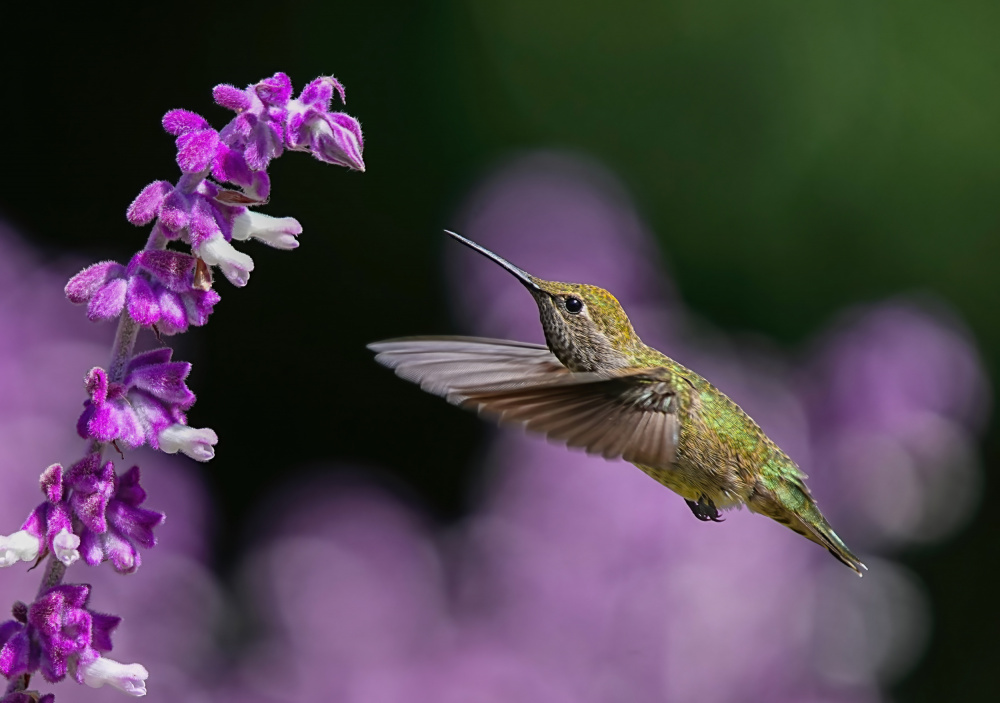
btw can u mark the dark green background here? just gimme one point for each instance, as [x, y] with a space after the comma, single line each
[792, 159]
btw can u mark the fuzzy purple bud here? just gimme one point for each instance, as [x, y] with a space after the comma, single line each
[179, 122]
[231, 97]
[331, 137]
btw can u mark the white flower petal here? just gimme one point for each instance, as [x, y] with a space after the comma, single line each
[128, 678]
[20, 546]
[235, 265]
[278, 232]
[65, 545]
[199, 444]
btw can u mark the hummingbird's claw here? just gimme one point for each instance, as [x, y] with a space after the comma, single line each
[705, 510]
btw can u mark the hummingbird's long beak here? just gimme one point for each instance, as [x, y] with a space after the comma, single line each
[523, 276]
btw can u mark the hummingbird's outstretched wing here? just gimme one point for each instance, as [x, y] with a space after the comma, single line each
[630, 414]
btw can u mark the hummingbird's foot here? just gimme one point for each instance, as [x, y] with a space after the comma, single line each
[705, 510]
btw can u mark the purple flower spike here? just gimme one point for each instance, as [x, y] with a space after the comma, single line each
[89, 511]
[126, 525]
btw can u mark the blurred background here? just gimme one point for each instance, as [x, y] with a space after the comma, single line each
[799, 202]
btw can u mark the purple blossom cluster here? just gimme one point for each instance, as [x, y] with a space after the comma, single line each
[90, 511]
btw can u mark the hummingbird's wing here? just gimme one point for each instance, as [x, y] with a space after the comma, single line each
[631, 414]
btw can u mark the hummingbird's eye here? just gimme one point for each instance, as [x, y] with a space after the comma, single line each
[574, 305]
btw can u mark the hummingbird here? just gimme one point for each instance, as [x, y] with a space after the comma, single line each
[595, 385]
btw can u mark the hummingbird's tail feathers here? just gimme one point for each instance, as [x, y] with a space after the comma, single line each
[792, 505]
[836, 546]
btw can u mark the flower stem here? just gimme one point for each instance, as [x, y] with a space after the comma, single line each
[54, 572]
[121, 352]
[17, 684]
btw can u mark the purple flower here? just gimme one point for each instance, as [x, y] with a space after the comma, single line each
[158, 289]
[102, 286]
[334, 137]
[51, 522]
[151, 399]
[58, 631]
[108, 507]
[207, 217]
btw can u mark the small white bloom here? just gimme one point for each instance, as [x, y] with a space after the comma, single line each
[127, 678]
[20, 546]
[65, 545]
[278, 232]
[199, 444]
[235, 265]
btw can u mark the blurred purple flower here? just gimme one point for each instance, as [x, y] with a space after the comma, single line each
[896, 394]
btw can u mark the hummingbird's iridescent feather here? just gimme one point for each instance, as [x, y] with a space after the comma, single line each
[596, 386]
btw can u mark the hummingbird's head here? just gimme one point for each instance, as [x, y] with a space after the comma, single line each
[585, 326]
